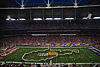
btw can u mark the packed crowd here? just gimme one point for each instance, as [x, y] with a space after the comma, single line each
[31, 40]
[46, 65]
[36, 26]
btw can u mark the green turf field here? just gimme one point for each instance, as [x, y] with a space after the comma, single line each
[84, 56]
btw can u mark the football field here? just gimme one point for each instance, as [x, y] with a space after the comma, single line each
[84, 55]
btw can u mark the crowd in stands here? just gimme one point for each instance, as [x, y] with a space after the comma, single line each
[73, 39]
[35, 26]
[46, 65]
[31, 40]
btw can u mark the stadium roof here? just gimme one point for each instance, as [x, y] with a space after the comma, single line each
[62, 12]
[31, 2]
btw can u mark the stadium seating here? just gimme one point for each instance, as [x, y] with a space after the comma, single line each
[48, 40]
[55, 25]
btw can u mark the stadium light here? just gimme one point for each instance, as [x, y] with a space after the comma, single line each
[10, 19]
[69, 18]
[49, 19]
[7, 19]
[37, 19]
[22, 19]
[85, 18]
[96, 18]
[57, 18]
[13, 19]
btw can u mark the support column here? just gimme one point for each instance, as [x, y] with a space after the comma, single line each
[48, 4]
[62, 14]
[43, 14]
[30, 15]
[22, 6]
[75, 14]
[52, 14]
[75, 3]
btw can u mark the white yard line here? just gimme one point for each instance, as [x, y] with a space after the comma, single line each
[75, 56]
[66, 58]
[9, 52]
[96, 49]
[94, 56]
[86, 56]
